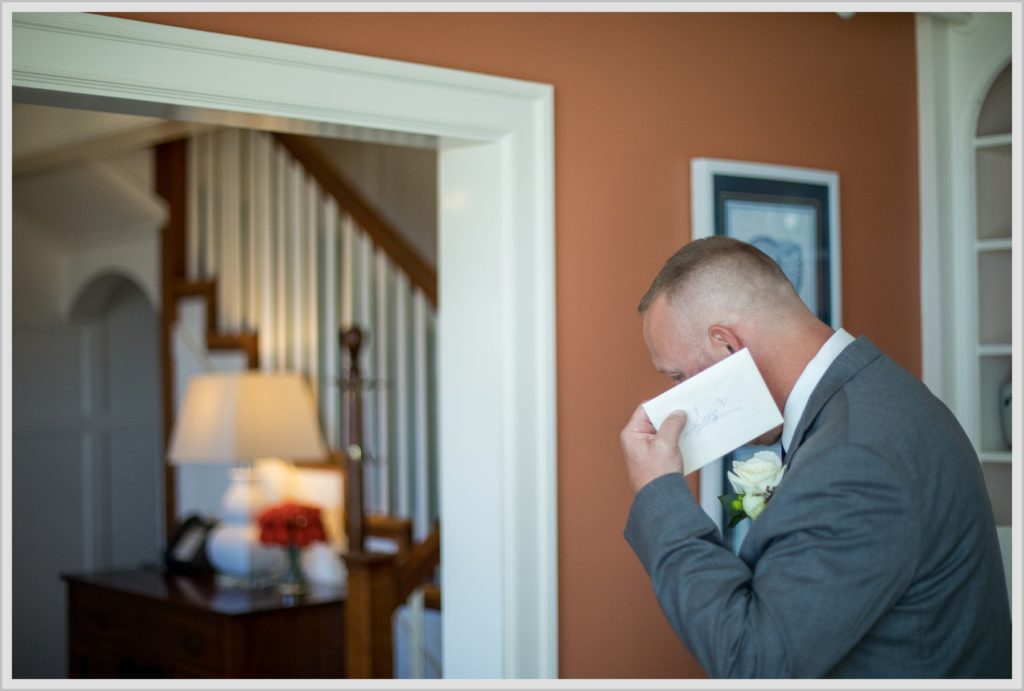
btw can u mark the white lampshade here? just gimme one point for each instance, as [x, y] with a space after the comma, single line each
[242, 416]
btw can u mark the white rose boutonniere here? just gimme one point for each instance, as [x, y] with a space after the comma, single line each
[754, 481]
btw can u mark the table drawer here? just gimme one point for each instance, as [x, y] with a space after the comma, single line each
[149, 631]
[140, 623]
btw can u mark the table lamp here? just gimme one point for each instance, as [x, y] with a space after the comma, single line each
[241, 417]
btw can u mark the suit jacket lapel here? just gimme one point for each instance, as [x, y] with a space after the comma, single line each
[853, 359]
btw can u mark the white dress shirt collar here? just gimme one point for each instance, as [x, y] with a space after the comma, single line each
[808, 380]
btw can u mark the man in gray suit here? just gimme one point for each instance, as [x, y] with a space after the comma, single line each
[876, 555]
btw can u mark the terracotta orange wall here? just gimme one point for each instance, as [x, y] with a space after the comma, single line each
[636, 97]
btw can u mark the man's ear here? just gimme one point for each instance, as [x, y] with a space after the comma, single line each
[725, 338]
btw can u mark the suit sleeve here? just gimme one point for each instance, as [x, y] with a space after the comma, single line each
[836, 547]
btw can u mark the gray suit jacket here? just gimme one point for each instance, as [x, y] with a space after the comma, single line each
[876, 557]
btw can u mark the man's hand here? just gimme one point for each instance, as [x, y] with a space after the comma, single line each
[652, 453]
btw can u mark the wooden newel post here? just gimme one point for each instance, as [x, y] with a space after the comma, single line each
[352, 339]
[371, 601]
[371, 596]
[377, 583]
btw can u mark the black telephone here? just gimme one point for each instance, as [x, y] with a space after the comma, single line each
[186, 551]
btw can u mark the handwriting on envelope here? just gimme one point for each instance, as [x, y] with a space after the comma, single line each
[727, 405]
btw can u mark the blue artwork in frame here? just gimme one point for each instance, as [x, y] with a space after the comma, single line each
[788, 221]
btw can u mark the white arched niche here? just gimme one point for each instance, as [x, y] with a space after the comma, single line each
[494, 138]
[122, 419]
[89, 299]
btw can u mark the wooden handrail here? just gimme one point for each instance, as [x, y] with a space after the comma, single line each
[391, 528]
[369, 219]
[420, 563]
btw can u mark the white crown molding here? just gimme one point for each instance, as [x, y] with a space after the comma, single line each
[377, 93]
[496, 269]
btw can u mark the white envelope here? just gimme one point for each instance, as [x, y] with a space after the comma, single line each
[727, 405]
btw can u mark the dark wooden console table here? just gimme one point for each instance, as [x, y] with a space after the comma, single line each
[146, 623]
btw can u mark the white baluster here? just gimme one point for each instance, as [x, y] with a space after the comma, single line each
[402, 392]
[329, 331]
[211, 188]
[348, 250]
[229, 255]
[296, 267]
[310, 297]
[347, 306]
[262, 293]
[252, 202]
[280, 328]
[420, 416]
[431, 510]
[416, 642]
[265, 177]
[365, 317]
[383, 325]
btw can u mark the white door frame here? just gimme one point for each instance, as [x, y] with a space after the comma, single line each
[496, 273]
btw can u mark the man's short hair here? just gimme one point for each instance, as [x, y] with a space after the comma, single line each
[714, 251]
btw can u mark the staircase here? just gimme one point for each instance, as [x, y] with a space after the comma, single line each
[283, 253]
[290, 253]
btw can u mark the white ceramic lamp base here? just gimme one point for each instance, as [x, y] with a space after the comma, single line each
[234, 548]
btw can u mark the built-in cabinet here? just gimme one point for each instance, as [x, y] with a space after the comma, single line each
[993, 249]
[966, 141]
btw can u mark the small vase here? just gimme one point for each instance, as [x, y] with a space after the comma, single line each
[294, 582]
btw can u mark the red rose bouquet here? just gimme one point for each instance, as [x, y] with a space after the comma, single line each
[291, 524]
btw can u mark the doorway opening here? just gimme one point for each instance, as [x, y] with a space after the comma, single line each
[496, 265]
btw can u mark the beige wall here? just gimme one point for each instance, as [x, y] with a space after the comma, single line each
[636, 97]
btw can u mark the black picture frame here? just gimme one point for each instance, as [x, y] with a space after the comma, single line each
[807, 202]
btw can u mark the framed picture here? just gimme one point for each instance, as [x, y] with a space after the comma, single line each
[792, 215]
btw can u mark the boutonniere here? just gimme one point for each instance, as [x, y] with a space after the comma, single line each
[754, 482]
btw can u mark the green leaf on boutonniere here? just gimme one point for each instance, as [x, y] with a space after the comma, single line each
[733, 505]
